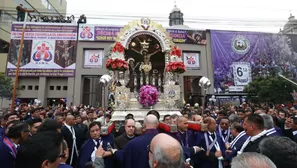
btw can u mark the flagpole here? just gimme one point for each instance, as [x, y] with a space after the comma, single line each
[18, 64]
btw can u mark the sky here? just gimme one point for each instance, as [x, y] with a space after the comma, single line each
[248, 15]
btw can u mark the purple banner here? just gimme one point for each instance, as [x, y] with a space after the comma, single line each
[42, 72]
[238, 57]
[49, 49]
[109, 33]
[45, 27]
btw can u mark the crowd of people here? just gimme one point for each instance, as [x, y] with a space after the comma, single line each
[65, 137]
[43, 18]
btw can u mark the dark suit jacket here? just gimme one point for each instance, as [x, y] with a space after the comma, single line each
[289, 133]
[68, 138]
[254, 146]
[82, 134]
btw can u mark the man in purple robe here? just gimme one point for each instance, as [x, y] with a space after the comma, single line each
[213, 145]
[223, 129]
[269, 125]
[239, 138]
[135, 154]
[88, 150]
[185, 137]
[17, 133]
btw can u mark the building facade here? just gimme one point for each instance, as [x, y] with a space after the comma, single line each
[8, 14]
[87, 89]
[291, 26]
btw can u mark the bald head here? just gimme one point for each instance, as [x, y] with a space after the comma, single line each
[165, 151]
[181, 119]
[182, 124]
[211, 122]
[70, 120]
[253, 159]
[151, 122]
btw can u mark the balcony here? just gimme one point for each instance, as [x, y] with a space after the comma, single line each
[5, 19]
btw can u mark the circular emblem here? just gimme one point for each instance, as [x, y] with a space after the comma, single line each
[171, 93]
[240, 44]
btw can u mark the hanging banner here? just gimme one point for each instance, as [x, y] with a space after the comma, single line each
[49, 49]
[109, 33]
[240, 56]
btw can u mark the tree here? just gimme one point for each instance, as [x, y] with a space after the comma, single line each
[6, 87]
[272, 89]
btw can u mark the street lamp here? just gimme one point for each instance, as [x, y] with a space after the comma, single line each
[104, 81]
[213, 99]
[205, 83]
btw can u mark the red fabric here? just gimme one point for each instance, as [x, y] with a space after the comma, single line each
[194, 126]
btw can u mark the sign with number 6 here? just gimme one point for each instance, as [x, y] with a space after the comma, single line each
[242, 73]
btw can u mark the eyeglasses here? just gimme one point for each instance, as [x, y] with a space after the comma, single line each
[149, 149]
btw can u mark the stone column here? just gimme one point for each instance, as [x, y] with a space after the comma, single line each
[42, 91]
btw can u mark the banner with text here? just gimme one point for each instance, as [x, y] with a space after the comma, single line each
[240, 56]
[49, 49]
[109, 33]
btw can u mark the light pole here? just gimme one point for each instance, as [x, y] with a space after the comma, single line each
[204, 82]
[104, 81]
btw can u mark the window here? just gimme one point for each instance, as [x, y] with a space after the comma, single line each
[23, 87]
[30, 87]
[65, 87]
[58, 87]
[51, 88]
[36, 87]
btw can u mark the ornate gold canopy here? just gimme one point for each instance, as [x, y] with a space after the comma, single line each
[145, 26]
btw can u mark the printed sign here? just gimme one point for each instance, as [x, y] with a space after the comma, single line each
[93, 58]
[109, 33]
[49, 49]
[242, 73]
[191, 60]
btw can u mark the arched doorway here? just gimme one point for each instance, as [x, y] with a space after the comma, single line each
[144, 47]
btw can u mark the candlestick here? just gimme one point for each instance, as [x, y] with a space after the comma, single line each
[141, 79]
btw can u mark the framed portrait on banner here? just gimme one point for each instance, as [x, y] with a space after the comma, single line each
[93, 58]
[191, 60]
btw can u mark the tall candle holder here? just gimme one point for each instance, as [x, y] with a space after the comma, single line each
[135, 81]
[147, 78]
[159, 82]
[141, 79]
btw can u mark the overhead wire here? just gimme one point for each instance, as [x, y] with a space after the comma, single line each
[209, 20]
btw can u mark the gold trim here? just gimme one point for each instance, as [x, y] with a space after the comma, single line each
[136, 27]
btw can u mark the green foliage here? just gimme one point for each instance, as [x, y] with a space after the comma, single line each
[272, 89]
[6, 87]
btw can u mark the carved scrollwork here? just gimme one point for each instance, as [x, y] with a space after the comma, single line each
[145, 26]
[171, 94]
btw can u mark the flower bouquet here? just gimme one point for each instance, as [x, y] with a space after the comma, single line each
[176, 67]
[116, 59]
[148, 95]
[176, 64]
[116, 64]
[175, 52]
